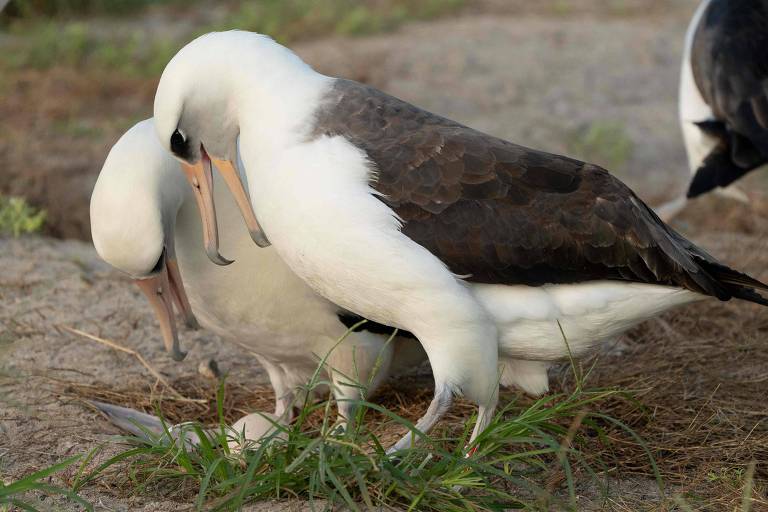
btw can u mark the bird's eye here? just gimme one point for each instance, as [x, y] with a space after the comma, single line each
[178, 144]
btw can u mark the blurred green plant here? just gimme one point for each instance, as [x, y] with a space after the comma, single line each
[44, 43]
[68, 8]
[17, 217]
[291, 20]
[48, 43]
[742, 479]
[76, 128]
[605, 143]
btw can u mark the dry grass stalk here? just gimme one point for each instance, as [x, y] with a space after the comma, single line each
[137, 355]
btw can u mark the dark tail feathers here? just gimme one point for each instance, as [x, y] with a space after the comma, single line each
[735, 283]
[732, 158]
[717, 170]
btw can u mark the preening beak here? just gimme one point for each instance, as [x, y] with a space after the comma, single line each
[179, 294]
[200, 177]
[162, 290]
[235, 185]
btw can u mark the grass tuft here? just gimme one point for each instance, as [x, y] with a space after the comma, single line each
[13, 494]
[527, 458]
[17, 217]
[531, 457]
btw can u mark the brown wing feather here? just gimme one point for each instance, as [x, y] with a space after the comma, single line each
[503, 213]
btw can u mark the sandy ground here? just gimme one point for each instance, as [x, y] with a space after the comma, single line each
[539, 79]
[46, 286]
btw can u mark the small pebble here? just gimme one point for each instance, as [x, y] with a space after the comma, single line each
[209, 369]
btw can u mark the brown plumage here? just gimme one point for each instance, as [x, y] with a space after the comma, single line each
[503, 213]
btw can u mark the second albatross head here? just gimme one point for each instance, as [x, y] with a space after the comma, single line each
[133, 214]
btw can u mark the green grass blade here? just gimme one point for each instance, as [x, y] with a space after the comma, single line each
[639, 441]
[204, 484]
[31, 480]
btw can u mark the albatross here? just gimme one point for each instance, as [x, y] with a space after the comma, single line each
[478, 246]
[724, 96]
[144, 222]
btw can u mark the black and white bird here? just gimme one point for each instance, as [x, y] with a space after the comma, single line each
[724, 92]
[476, 245]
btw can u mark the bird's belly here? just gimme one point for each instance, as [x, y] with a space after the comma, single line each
[530, 319]
[257, 301]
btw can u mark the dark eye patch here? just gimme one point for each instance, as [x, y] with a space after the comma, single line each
[179, 145]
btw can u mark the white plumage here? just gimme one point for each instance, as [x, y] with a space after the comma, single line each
[313, 196]
[257, 301]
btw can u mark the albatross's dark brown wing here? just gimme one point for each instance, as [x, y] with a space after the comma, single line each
[729, 60]
[503, 213]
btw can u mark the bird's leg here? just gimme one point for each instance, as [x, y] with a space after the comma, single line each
[284, 404]
[464, 359]
[440, 404]
[347, 390]
[250, 430]
[346, 394]
[358, 367]
[484, 416]
[733, 192]
[283, 394]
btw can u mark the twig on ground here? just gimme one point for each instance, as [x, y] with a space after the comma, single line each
[137, 355]
[557, 474]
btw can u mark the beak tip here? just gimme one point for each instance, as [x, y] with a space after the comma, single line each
[178, 355]
[260, 239]
[214, 256]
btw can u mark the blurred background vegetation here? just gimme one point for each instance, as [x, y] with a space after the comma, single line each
[56, 32]
[85, 70]
[75, 74]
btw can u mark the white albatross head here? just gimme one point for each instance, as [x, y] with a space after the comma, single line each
[133, 212]
[206, 92]
[197, 111]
